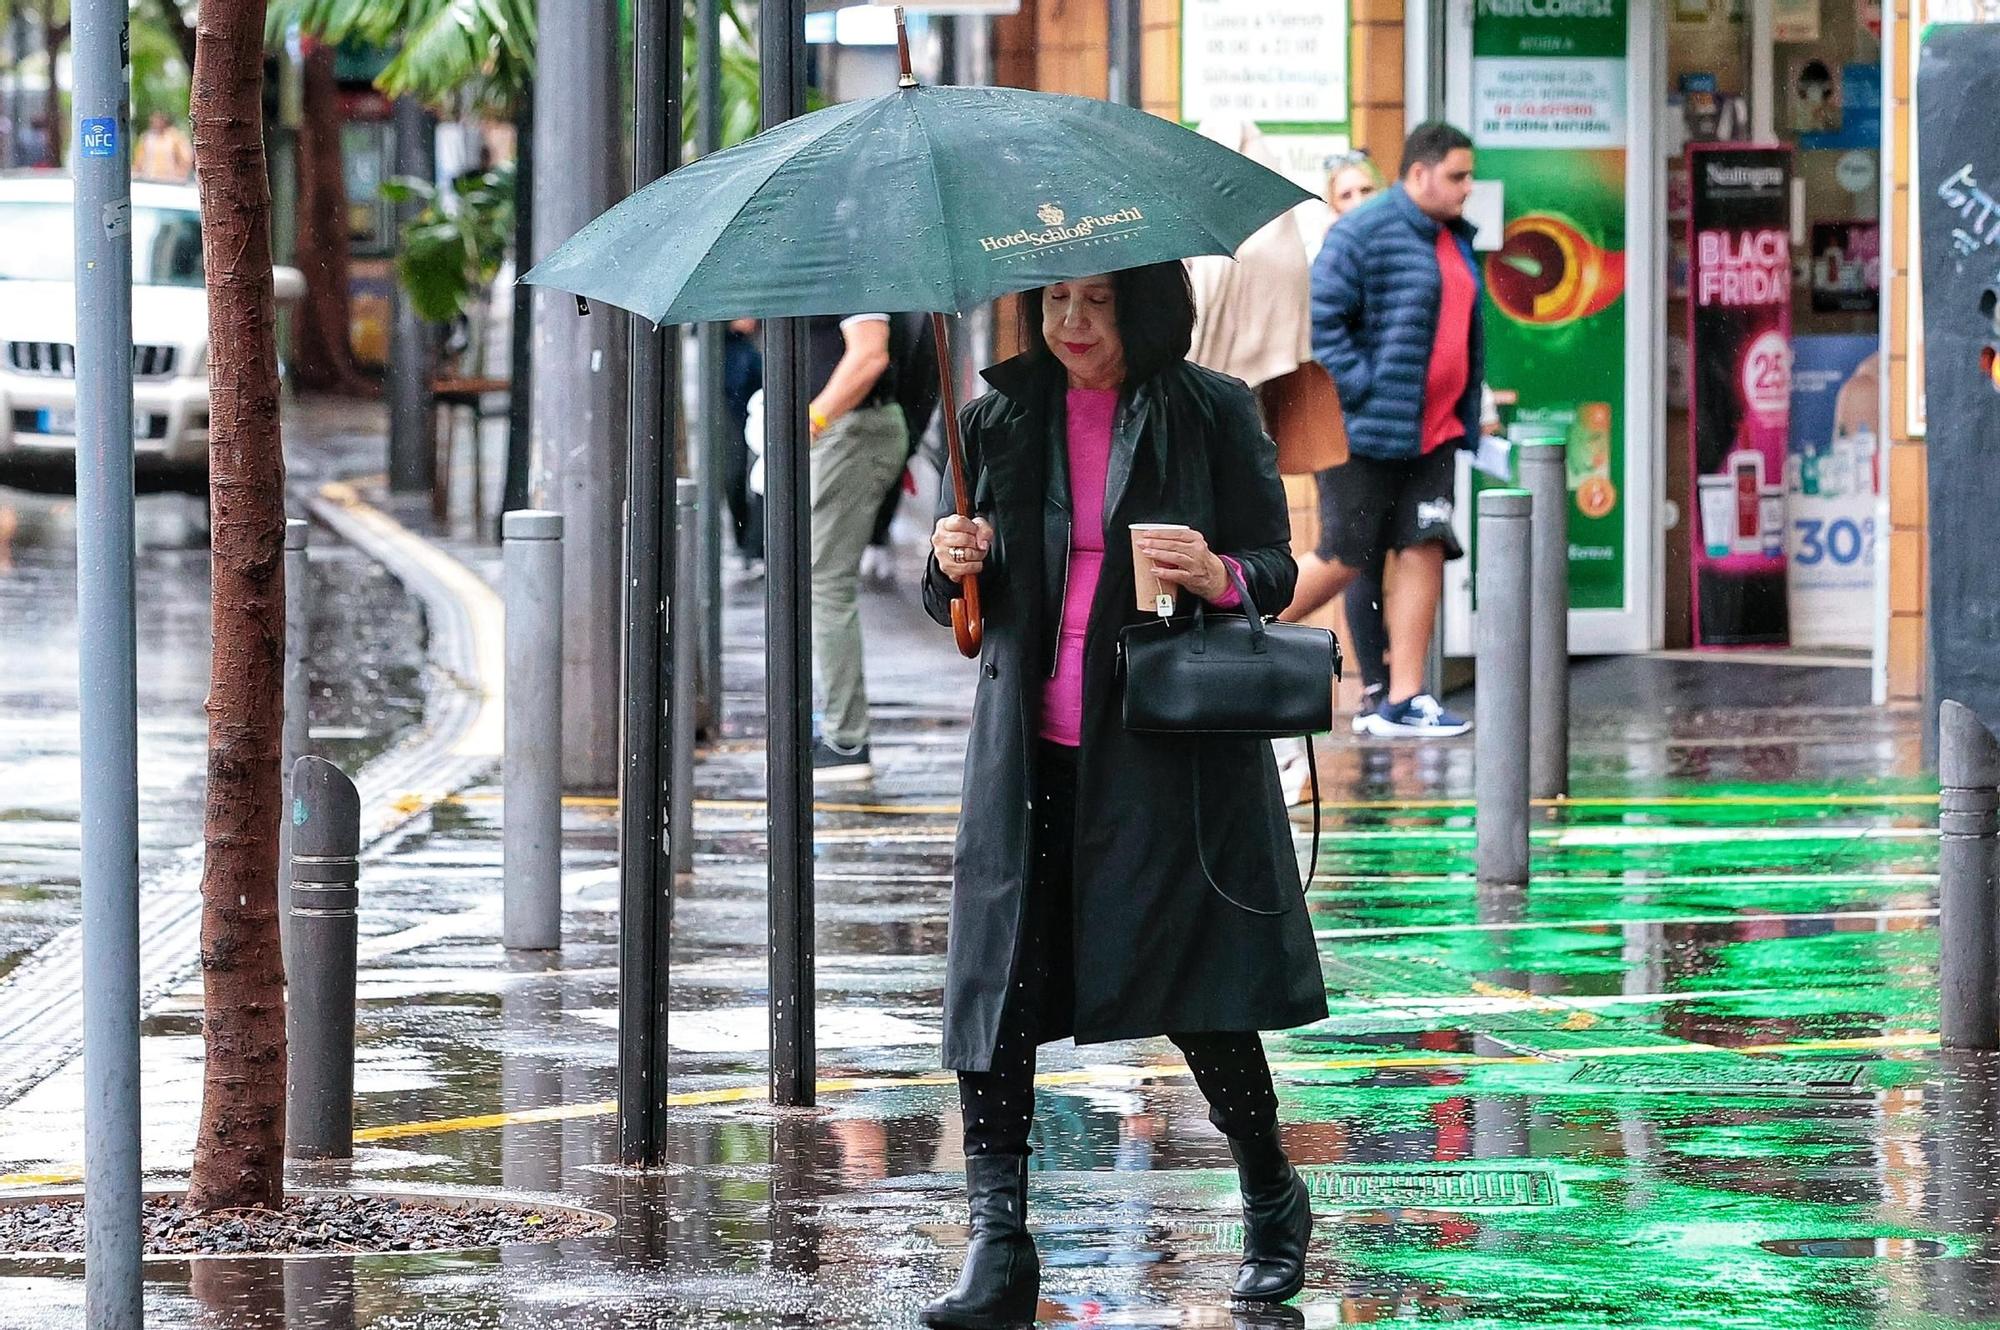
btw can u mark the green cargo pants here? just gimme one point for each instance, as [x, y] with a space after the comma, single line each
[854, 461]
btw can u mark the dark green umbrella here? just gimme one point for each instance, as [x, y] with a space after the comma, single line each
[929, 199]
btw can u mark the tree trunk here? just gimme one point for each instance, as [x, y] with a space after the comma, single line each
[54, 35]
[322, 354]
[239, 1147]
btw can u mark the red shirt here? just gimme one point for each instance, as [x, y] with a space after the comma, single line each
[1451, 368]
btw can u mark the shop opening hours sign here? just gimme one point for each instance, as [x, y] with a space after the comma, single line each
[1278, 63]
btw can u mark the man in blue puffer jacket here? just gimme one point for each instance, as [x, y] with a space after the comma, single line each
[1396, 322]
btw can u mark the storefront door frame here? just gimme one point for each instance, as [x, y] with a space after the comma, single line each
[1641, 624]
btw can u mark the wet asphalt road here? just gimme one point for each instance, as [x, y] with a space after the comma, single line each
[1688, 1078]
[367, 643]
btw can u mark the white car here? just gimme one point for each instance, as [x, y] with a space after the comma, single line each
[169, 328]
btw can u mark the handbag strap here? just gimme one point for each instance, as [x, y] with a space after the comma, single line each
[1249, 608]
[1201, 850]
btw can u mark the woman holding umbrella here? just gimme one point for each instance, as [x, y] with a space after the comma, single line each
[1095, 895]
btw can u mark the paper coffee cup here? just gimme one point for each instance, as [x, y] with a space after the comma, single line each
[1153, 595]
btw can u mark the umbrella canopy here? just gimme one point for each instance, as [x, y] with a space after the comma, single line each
[929, 198]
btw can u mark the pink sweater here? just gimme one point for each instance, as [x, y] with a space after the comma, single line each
[1091, 413]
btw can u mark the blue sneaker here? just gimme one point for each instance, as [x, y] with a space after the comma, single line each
[1421, 717]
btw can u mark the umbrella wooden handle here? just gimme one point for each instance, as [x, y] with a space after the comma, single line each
[966, 624]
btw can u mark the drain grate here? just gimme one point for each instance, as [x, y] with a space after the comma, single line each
[1431, 1188]
[1742, 1075]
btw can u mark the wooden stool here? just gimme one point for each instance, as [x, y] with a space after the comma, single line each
[452, 392]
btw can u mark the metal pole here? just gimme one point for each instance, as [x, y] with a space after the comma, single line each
[319, 1006]
[684, 642]
[412, 422]
[514, 490]
[107, 667]
[298, 626]
[645, 877]
[531, 544]
[1500, 741]
[708, 374]
[1127, 34]
[787, 616]
[1968, 862]
[580, 393]
[1544, 473]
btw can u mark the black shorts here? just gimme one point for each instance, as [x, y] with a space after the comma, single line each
[1369, 506]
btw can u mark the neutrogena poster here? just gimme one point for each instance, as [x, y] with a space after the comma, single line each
[1739, 333]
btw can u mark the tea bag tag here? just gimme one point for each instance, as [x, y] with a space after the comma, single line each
[1163, 604]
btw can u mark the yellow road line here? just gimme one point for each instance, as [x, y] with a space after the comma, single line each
[511, 1118]
[732, 805]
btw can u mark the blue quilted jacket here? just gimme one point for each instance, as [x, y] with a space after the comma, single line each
[1375, 288]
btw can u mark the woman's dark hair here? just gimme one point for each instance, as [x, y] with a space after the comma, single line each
[1155, 318]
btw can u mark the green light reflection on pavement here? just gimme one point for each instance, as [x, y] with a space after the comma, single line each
[1668, 1185]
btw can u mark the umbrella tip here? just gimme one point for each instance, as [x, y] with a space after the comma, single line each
[907, 79]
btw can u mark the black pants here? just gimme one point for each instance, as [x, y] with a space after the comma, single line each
[999, 1104]
[1368, 631]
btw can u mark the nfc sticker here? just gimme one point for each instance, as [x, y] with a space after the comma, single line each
[97, 136]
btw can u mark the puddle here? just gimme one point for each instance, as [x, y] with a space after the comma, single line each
[1855, 1249]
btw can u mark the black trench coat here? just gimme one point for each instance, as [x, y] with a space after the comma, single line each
[1158, 949]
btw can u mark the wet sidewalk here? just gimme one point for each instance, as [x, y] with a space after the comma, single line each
[1689, 1077]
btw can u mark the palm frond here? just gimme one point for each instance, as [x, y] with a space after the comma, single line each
[487, 47]
[442, 46]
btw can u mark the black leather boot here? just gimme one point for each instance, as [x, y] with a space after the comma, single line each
[1277, 1221]
[1002, 1279]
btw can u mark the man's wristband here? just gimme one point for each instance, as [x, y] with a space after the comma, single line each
[818, 418]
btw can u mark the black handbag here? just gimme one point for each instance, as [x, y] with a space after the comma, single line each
[1231, 674]
[1223, 672]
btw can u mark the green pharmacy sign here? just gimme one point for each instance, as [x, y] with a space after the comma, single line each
[1549, 100]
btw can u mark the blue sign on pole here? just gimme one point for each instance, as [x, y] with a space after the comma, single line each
[97, 136]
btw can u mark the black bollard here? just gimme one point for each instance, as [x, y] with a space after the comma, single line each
[1968, 855]
[319, 1011]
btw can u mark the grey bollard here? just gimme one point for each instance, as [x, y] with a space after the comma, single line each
[319, 1000]
[1500, 739]
[296, 734]
[1968, 857]
[684, 641]
[1544, 473]
[531, 765]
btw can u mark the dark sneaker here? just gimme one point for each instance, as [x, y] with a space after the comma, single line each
[1371, 702]
[833, 765]
[1419, 718]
